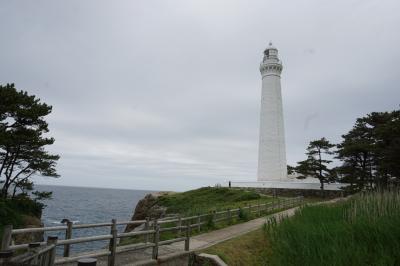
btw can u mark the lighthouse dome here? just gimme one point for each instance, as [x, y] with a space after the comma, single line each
[270, 47]
[270, 55]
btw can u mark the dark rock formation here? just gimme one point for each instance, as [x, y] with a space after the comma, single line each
[146, 207]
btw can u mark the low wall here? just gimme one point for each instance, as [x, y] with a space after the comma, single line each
[307, 184]
[291, 192]
[207, 259]
[174, 259]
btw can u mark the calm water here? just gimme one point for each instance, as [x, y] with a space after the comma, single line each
[88, 205]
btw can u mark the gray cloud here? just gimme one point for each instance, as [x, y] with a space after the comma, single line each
[166, 94]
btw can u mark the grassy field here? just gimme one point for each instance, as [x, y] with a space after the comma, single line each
[249, 249]
[362, 231]
[207, 199]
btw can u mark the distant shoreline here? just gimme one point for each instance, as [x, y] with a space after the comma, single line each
[132, 189]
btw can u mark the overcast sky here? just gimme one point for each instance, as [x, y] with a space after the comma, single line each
[165, 95]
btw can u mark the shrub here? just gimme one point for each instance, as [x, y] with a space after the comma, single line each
[243, 215]
[13, 211]
[210, 222]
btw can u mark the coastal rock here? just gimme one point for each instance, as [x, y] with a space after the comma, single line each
[147, 207]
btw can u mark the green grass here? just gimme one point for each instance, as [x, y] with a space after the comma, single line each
[247, 250]
[244, 216]
[205, 200]
[362, 231]
[208, 199]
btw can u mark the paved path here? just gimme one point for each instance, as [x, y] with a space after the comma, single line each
[197, 242]
[209, 239]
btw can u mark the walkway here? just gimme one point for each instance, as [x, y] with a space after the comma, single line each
[197, 242]
[201, 241]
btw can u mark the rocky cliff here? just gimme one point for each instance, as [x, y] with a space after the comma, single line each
[147, 207]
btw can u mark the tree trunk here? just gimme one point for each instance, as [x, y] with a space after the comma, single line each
[322, 184]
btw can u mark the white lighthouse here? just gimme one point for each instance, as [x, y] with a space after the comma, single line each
[272, 153]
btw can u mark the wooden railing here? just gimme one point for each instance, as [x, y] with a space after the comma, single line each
[152, 229]
[35, 255]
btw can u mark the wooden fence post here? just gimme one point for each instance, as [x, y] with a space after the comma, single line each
[156, 239]
[187, 240]
[229, 216]
[198, 223]
[146, 228]
[32, 247]
[68, 235]
[259, 208]
[5, 256]
[179, 225]
[6, 240]
[113, 243]
[52, 240]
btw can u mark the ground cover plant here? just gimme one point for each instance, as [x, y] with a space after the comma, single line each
[207, 199]
[248, 249]
[361, 231]
[17, 211]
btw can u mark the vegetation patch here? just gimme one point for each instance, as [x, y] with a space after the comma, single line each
[249, 249]
[362, 231]
[17, 211]
[208, 199]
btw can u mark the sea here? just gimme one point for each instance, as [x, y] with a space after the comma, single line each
[83, 205]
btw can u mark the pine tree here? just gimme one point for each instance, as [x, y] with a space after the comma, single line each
[23, 140]
[316, 165]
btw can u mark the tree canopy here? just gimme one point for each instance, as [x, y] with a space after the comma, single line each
[22, 141]
[369, 154]
[370, 151]
[316, 164]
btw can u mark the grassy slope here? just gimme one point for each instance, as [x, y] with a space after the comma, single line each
[248, 249]
[363, 231]
[206, 199]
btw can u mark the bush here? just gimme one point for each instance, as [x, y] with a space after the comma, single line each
[12, 211]
[210, 222]
[243, 215]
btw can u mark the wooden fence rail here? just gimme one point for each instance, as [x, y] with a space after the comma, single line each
[152, 229]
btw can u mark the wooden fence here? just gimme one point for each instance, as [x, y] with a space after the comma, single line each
[35, 255]
[151, 231]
